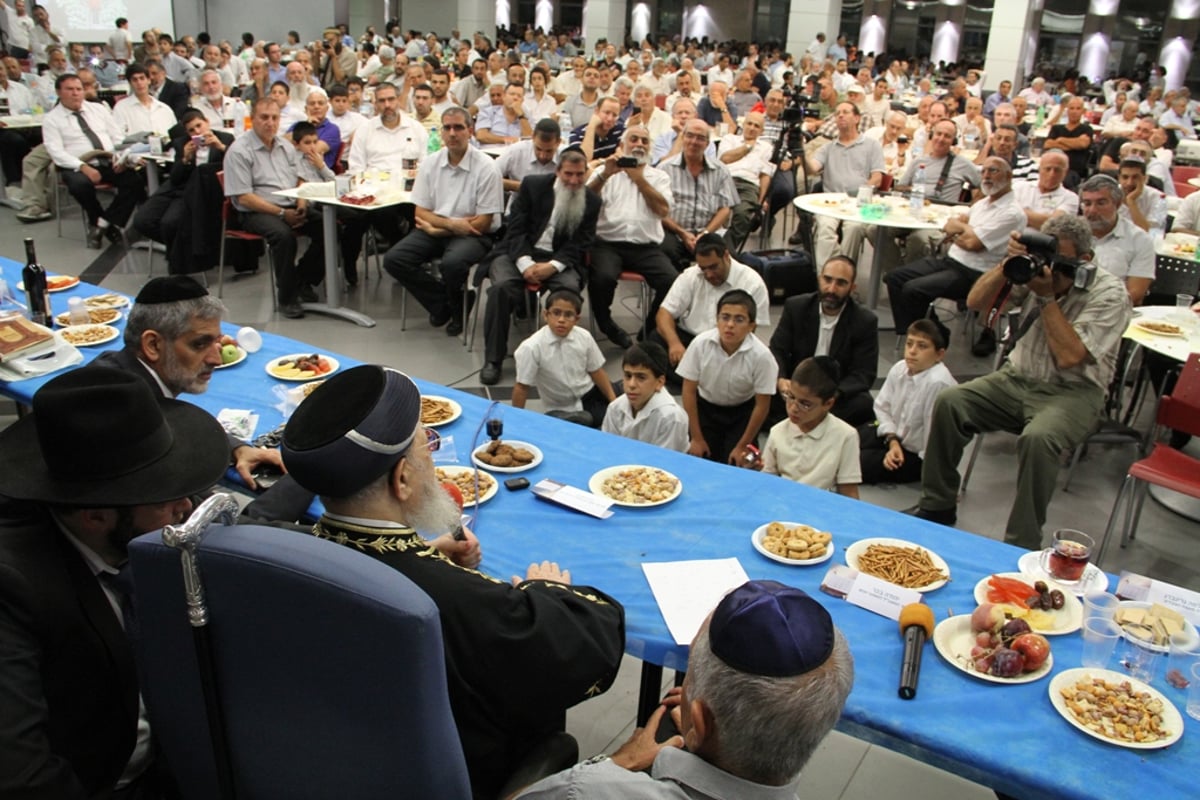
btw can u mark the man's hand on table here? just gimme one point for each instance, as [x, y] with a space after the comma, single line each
[466, 552]
[698, 447]
[639, 752]
[246, 459]
[546, 571]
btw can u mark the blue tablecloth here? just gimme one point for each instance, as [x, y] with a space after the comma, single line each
[1005, 736]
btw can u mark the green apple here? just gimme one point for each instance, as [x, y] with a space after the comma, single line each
[229, 354]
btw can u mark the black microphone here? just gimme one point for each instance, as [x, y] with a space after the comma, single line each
[916, 625]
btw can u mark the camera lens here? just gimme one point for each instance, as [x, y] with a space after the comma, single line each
[1020, 269]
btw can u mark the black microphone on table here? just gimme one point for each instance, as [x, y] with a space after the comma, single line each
[916, 626]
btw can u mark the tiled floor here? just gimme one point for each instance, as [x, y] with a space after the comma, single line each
[844, 767]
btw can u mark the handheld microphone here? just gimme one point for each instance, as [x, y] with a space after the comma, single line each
[916, 625]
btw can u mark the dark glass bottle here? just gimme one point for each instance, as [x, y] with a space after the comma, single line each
[34, 278]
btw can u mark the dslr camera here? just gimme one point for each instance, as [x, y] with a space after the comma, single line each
[1043, 251]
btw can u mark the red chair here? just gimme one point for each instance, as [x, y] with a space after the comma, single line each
[1183, 188]
[1165, 466]
[228, 212]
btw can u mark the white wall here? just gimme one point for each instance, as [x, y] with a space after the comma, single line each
[228, 19]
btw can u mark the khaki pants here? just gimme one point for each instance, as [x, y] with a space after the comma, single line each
[35, 180]
[1048, 419]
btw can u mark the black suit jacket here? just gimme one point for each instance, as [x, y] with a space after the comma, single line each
[181, 170]
[176, 95]
[529, 216]
[855, 342]
[68, 687]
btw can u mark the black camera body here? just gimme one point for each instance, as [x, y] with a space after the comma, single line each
[1043, 251]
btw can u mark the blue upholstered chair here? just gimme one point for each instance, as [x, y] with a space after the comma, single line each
[328, 666]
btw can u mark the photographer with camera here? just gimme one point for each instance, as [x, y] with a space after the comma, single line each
[1052, 387]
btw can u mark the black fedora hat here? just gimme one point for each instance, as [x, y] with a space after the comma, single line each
[100, 436]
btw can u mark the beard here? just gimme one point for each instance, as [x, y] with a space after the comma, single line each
[569, 205]
[298, 93]
[992, 188]
[431, 512]
[831, 302]
[178, 380]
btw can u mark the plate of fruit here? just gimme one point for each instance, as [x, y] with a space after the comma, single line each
[301, 367]
[1048, 609]
[231, 353]
[989, 646]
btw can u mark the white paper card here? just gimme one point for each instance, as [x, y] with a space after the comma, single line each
[573, 498]
[686, 591]
[1132, 586]
[885, 599]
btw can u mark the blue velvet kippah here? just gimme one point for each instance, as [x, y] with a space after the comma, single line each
[766, 628]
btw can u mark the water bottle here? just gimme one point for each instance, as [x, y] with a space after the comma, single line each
[77, 312]
[917, 195]
[36, 291]
[1041, 116]
[435, 141]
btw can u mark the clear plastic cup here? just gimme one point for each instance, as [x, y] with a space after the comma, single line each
[1100, 605]
[1100, 638]
[1142, 662]
[1184, 653]
[1193, 698]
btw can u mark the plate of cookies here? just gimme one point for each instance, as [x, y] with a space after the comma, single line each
[793, 543]
[508, 455]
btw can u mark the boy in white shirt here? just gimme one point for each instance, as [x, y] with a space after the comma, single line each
[646, 411]
[893, 448]
[812, 446]
[728, 379]
[565, 364]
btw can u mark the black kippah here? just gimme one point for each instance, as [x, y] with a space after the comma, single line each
[170, 290]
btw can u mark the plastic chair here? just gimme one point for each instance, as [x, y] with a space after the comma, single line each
[1173, 276]
[297, 631]
[1165, 466]
[227, 233]
[62, 197]
[643, 301]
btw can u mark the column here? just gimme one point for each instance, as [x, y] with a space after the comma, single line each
[640, 16]
[1012, 42]
[504, 13]
[1096, 40]
[1178, 39]
[947, 31]
[543, 15]
[475, 15]
[806, 20]
[603, 19]
[364, 13]
[876, 20]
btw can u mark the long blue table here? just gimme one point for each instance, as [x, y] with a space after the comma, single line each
[1004, 736]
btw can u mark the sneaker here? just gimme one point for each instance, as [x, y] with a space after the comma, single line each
[34, 215]
[291, 310]
[490, 374]
[985, 345]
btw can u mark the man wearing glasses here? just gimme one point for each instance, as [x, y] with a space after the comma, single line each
[703, 194]
[459, 199]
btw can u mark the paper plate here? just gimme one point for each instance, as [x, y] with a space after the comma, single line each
[1093, 580]
[1189, 630]
[465, 478]
[1068, 619]
[241, 357]
[859, 547]
[427, 402]
[760, 533]
[274, 368]
[537, 457]
[1149, 325]
[596, 485]
[99, 316]
[56, 283]
[1172, 721]
[953, 639]
[88, 335]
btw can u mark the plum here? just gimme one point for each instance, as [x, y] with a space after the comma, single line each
[1014, 628]
[1007, 663]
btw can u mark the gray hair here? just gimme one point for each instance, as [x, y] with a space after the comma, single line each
[769, 727]
[1103, 183]
[623, 81]
[1074, 229]
[170, 320]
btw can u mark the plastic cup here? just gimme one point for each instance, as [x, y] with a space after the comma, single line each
[1140, 661]
[1193, 698]
[1184, 654]
[1099, 640]
[1183, 308]
[249, 339]
[1099, 605]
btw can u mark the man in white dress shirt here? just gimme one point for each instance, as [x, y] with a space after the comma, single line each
[74, 129]
[140, 112]
[748, 158]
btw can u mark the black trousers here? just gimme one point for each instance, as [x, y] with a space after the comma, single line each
[872, 449]
[130, 187]
[610, 259]
[14, 145]
[723, 426]
[914, 286]
[508, 289]
[406, 263]
[392, 223]
[281, 238]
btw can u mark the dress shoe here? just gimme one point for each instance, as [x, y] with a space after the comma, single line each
[34, 215]
[308, 294]
[291, 310]
[440, 317]
[985, 345]
[615, 335]
[797, 237]
[95, 237]
[942, 516]
[490, 374]
[114, 234]
[454, 327]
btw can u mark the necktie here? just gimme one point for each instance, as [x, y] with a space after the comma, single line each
[88, 132]
[122, 585]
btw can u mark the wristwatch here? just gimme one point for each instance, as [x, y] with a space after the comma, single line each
[282, 212]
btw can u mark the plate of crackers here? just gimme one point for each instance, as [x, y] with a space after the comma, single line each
[88, 335]
[436, 410]
[1158, 327]
[508, 455]
[464, 479]
[635, 486]
[96, 316]
[1115, 708]
[106, 300]
[900, 562]
[793, 543]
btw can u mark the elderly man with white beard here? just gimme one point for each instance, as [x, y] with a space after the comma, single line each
[216, 107]
[298, 85]
[551, 224]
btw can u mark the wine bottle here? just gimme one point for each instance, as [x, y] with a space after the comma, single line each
[36, 290]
